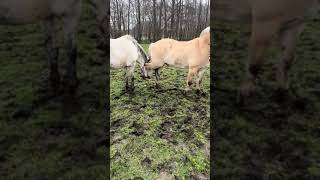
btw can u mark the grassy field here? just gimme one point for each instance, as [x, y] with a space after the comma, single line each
[267, 138]
[158, 133]
[43, 137]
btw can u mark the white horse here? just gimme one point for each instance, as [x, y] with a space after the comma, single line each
[20, 12]
[124, 53]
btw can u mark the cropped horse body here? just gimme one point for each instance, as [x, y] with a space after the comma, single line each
[268, 18]
[20, 12]
[193, 54]
[100, 9]
[125, 52]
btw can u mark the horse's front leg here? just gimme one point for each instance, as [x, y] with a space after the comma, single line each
[131, 72]
[70, 31]
[262, 32]
[156, 67]
[288, 40]
[157, 74]
[191, 73]
[52, 52]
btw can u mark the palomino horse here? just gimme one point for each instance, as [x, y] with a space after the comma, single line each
[268, 18]
[124, 53]
[20, 12]
[193, 54]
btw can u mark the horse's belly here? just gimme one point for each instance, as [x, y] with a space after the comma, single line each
[23, 12]
[179, 62]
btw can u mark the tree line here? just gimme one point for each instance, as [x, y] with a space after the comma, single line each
[151, 20]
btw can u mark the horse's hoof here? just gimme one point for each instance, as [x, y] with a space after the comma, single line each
[131, 90]
[185, 91]
[200, 92]
[124, 90]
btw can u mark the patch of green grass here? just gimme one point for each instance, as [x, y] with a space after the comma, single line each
[159, 130]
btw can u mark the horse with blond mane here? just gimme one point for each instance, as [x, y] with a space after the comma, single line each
[193, 55]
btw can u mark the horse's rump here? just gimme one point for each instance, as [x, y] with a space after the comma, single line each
[122, 49]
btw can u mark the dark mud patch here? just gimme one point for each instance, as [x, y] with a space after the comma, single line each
[21, 113]
[146, 162]
[138, 129]
[167, 131]
[170, 111]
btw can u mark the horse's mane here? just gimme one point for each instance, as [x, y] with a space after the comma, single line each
[205, 30]
[138, 46]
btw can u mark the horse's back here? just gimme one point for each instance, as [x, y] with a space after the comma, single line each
[173, 52]
[122, 52]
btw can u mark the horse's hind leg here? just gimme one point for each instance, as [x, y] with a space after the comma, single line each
[157, 74]
[262, 32]
[70, 30]
[52, 52]
[131, 73]
[288, 40]
[126, 77]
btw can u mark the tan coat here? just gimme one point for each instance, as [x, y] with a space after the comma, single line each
[193, 54]
[268, 18]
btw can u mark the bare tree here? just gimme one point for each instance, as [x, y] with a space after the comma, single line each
[152, 20]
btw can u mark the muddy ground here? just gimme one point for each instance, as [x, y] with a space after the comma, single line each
[159, 132]
[270, 137]
[44, 137]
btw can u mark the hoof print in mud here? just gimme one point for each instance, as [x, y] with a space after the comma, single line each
[146, 161]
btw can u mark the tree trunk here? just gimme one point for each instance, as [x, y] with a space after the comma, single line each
[172, 18]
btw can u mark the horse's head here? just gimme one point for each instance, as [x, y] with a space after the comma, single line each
[148, 71]
[142, 69]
